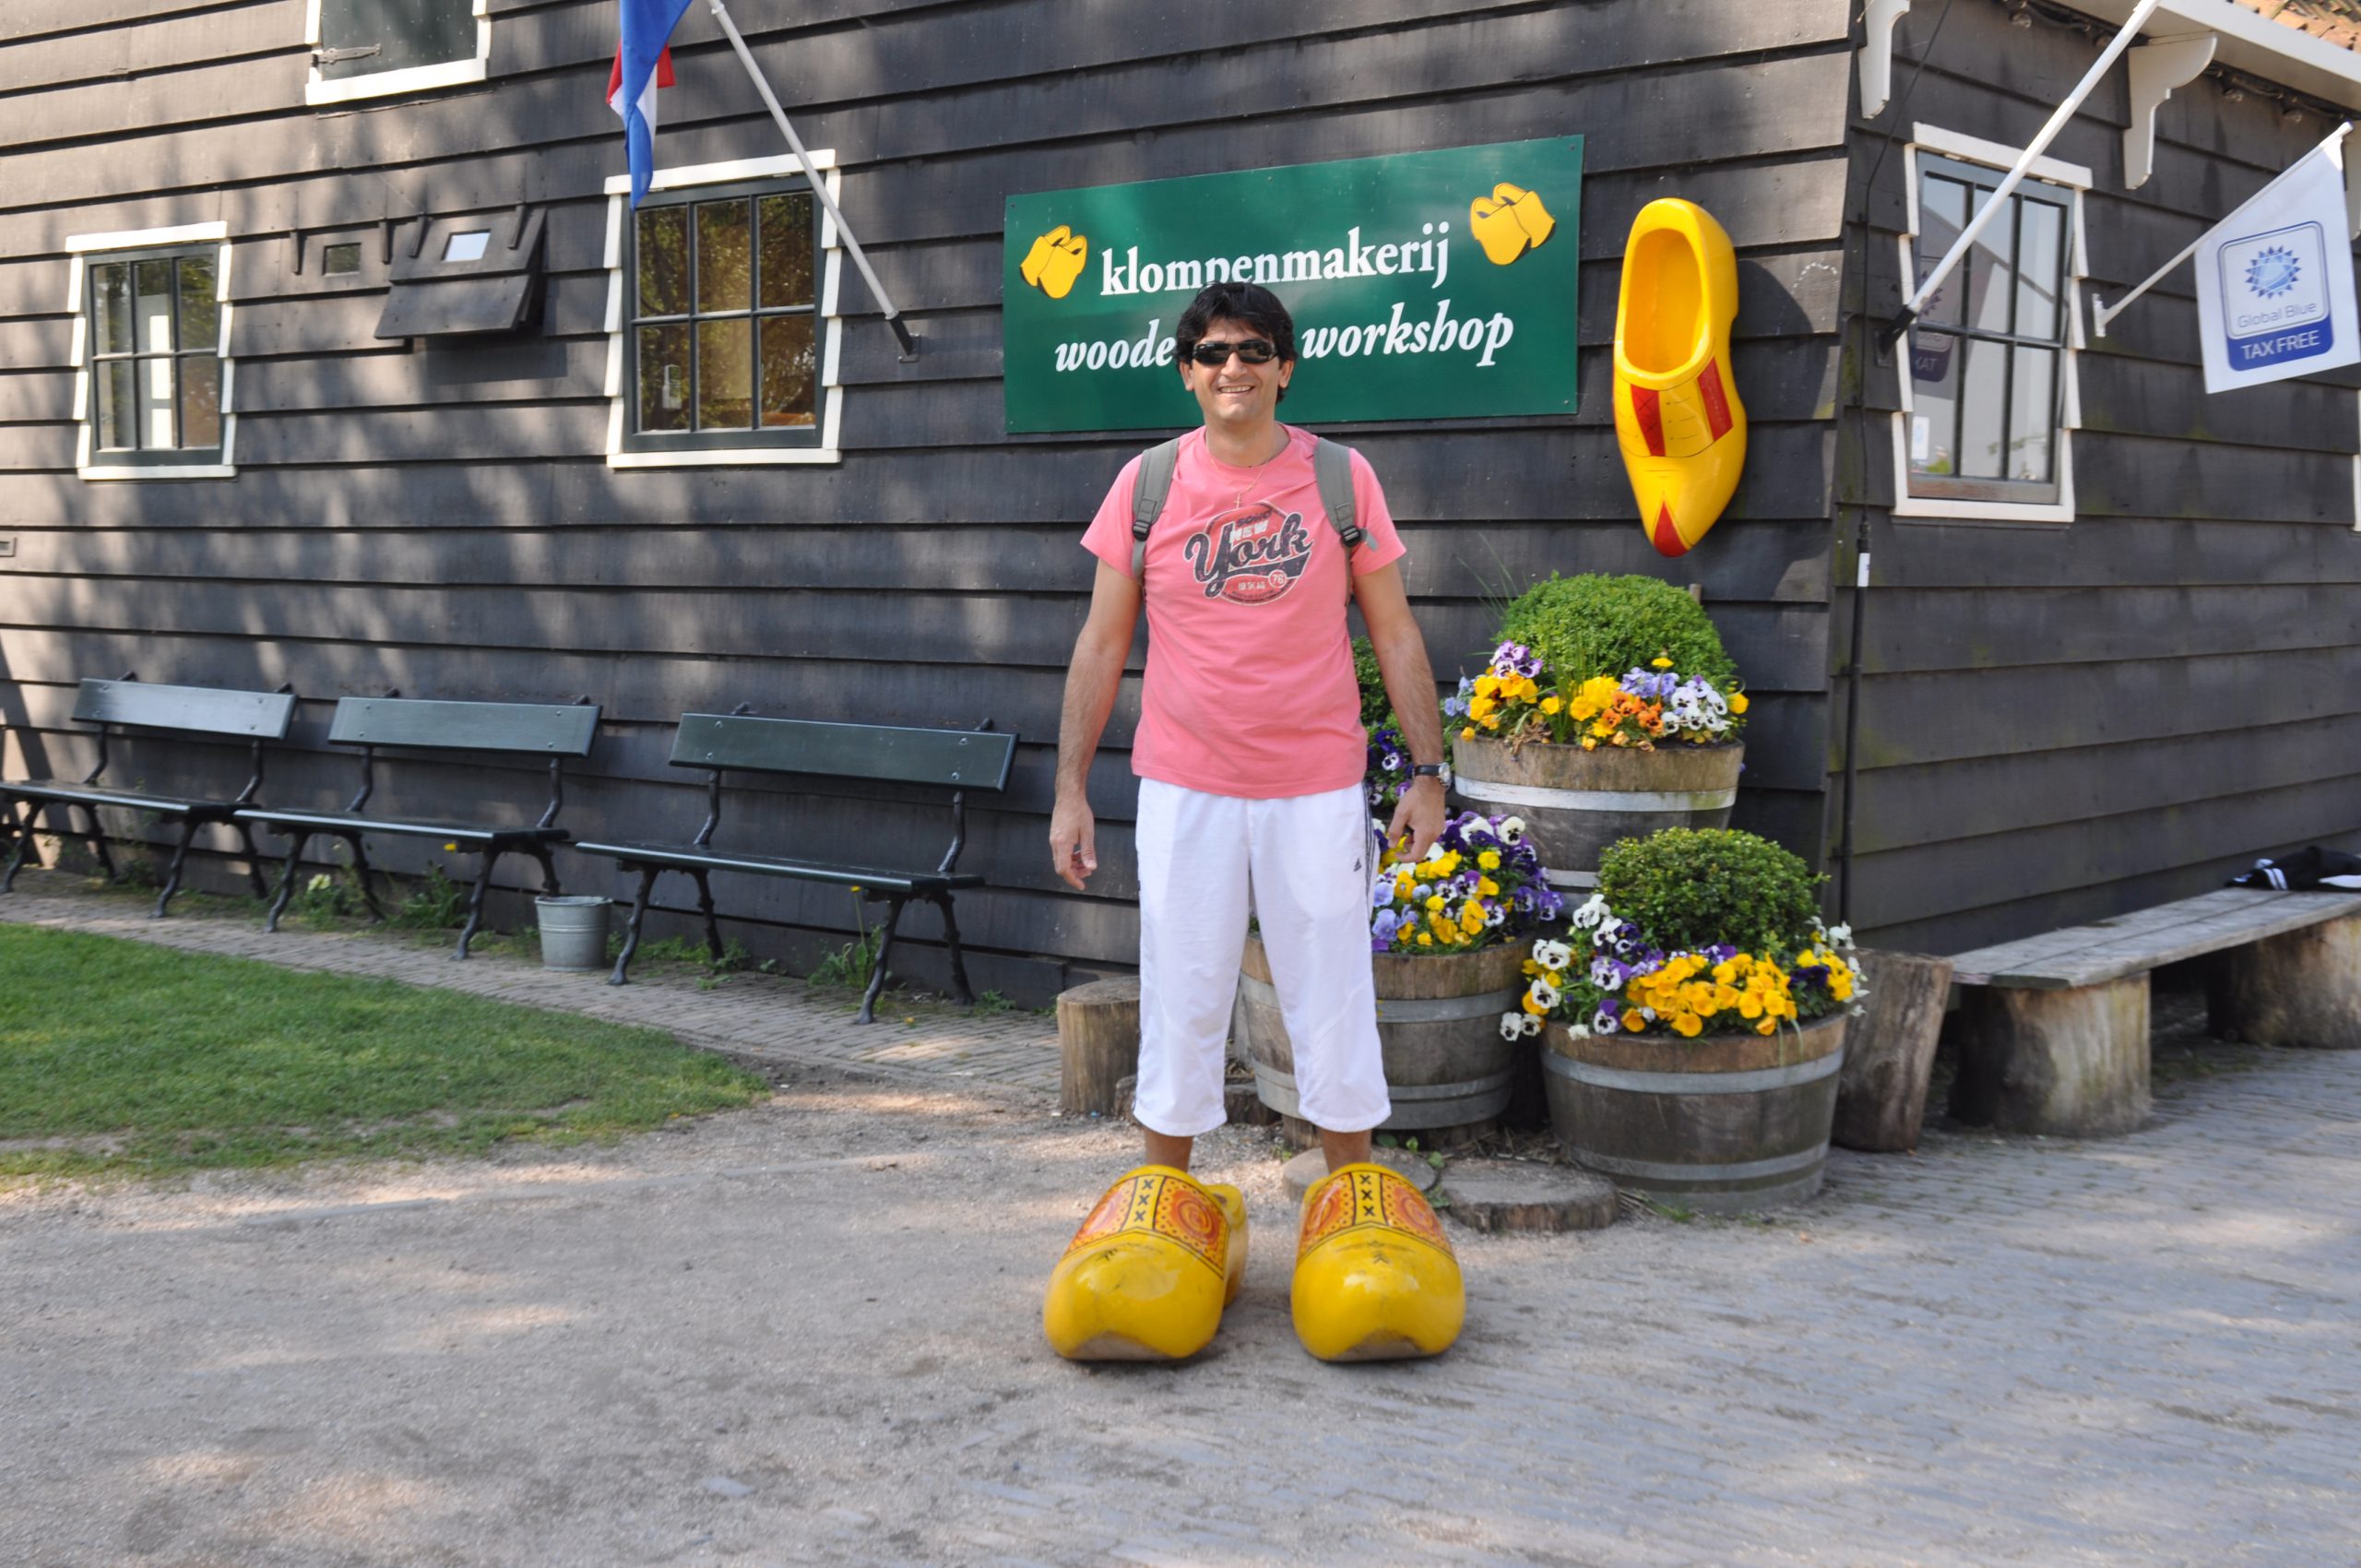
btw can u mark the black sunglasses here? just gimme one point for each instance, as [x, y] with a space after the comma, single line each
[1214, 353]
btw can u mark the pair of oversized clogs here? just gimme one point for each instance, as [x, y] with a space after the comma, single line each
[1148, 1275]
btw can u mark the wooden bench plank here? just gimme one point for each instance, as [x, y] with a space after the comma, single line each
[2189, 929]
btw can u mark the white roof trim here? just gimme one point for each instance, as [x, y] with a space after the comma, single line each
[2251, 43]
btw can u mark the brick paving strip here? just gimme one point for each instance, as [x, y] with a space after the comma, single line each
[755, 1018]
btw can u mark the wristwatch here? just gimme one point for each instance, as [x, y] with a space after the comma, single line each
[1438, 771]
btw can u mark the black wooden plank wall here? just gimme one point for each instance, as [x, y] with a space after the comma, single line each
[443, 520]
[2061, 722]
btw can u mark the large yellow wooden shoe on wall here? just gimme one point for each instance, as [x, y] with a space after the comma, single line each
[1146, 1276]
[1374, 1279]
[1677, 413]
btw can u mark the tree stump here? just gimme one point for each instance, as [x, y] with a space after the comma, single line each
[1519, 1195]
[1882, 1096]
[1098, 1044]
[2301, 988]
[2069, 1063]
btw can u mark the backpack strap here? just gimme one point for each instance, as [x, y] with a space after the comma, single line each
[1332, 466]
[1149, 488]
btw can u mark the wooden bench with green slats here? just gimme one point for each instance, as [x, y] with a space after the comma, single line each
[189, 713]
[413, 728]
[957, 760]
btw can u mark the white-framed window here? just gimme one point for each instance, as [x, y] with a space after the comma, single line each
[154, 390]
[379, 47]
[723, 341]
[1989, 398]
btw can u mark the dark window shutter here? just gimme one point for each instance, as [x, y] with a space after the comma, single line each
[359, 38]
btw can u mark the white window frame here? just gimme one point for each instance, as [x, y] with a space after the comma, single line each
[2075, 178]
[78, 247]
[410, 78]
[832, 393]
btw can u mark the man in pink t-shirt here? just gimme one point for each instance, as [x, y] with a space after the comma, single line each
[1250, 748]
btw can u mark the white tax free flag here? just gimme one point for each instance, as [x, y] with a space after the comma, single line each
[2274, 280]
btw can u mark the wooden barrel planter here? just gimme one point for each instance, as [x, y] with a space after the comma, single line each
[1447, 1070]
[1720, 1125]
[1575, 803]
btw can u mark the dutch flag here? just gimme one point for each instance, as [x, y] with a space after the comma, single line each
[643, 63]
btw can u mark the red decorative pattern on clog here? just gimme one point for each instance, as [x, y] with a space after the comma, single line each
[1164, 1206]
[1717, 403]
[1666, 537]
[1650, 417]
[1370, 1199]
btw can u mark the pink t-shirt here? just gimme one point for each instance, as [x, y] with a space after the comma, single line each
[1249, 686]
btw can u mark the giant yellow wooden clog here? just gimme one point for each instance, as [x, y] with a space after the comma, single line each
[1676, 412]
[1374, 1279]
[1146, 1276]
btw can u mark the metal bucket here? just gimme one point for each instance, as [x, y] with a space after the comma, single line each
[574, 931]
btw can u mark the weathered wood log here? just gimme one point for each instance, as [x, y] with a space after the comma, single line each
[1889, 1051]
[2302, 987]
[1522, 1195]
[2070, 1064]
[1098, 1044]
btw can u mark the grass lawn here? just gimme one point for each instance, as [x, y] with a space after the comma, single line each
[119, 1057]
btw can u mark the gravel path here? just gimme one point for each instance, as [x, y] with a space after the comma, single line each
[809, 1333]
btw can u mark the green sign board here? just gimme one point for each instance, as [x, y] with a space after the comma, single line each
[1424, 286]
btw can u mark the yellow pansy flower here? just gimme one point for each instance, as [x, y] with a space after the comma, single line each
[1738, 702]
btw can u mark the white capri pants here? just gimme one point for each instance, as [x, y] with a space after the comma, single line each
[1302, 865]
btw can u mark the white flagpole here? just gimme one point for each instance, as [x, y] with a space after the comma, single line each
[2102, 312]
[819, 186]
[1994, 208]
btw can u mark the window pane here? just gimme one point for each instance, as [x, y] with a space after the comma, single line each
[155, 384]
[664, 261]
[200, 401]
[725, 269]
[405, 32]
[788, 369]
[2033, 380]
[726, 375]
[200, 316]
[1942, 212]
[786, 224]
[110, 302]
[1934, 402]
[110, 384]
[664, 378]
[152, 281]
[1990, 279]
[1983, 387]
[2041, 244]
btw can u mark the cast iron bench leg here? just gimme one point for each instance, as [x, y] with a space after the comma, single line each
[24, 845]
[361, 870]
[548, 869]
[286, 880]
[648, 875]
[475, 903]
[959, 987]
[877, 974]
[705, 907]
[254, 862]
[172, 877]
[98, 841]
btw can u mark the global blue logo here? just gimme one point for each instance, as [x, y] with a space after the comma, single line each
[2272, 272]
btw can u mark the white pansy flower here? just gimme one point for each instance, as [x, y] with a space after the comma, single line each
[1552, 954]
[1544, 994]
[1579, 1031]
[1512, 1026]
[1840, 934]
[1533, 1025]
[1512, 830]
[1593, 910]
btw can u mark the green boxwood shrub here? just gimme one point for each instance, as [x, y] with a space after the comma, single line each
[1688, 888]
[1600, 625]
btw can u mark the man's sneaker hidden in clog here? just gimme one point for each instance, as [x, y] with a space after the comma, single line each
[1678, 418]
[1374, 1279]
[1146, 1276]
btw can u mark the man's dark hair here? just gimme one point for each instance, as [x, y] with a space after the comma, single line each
[1250, 303]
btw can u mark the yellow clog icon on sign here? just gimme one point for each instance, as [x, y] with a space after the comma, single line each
[1374, 1279]
[1509, 222]
[1148, 1274]
[1678, 417]
[1055, 261]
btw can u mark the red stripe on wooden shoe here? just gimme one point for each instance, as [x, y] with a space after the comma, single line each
[1643, 408]
[1717, 404]
[1668, 538]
